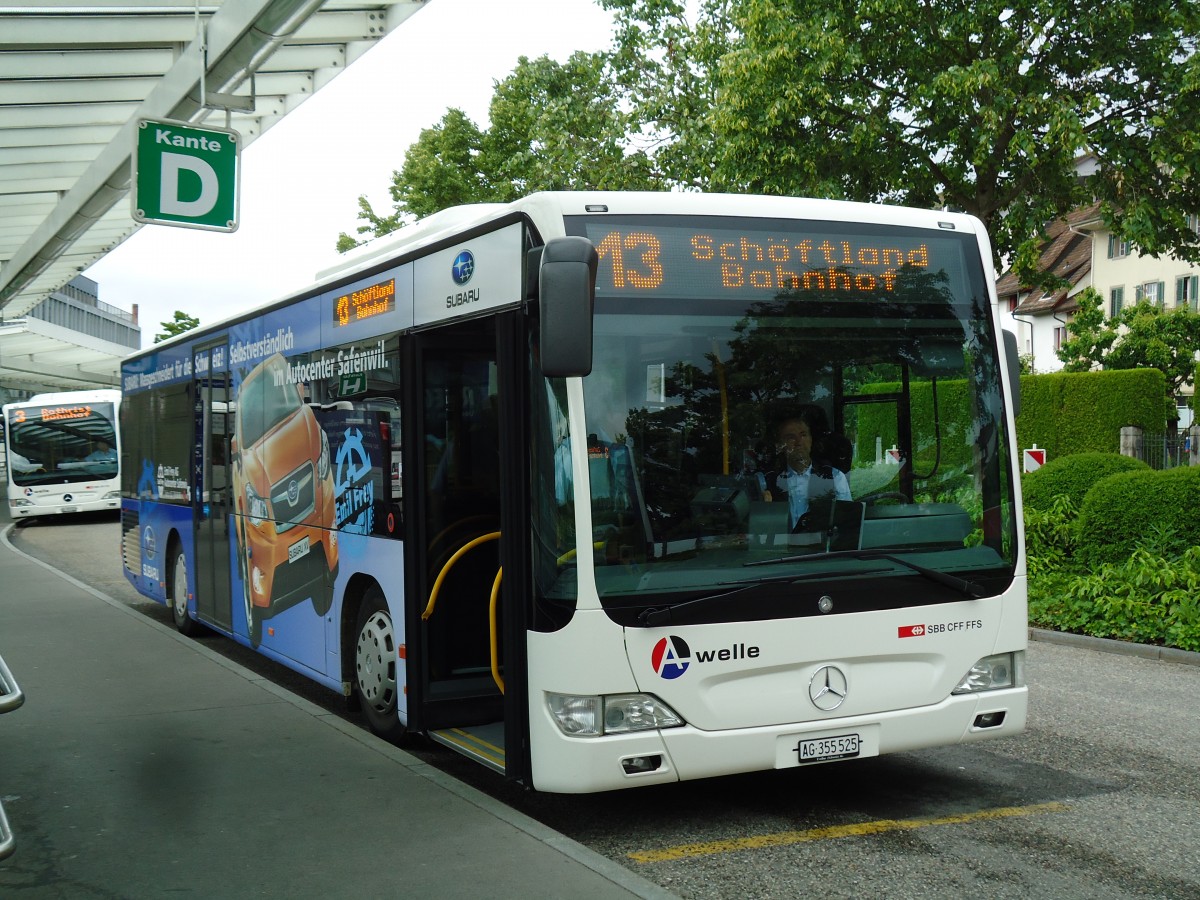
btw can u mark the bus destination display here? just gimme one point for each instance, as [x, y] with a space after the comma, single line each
[680, 261]
[365, 303]
[52, 413]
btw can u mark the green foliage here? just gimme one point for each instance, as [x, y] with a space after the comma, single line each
[1139, 337]
[1068, 413]
[983, 107]
[1071, 477]
[1150, 595]
[178, 325]
[1147, 597]
[1124, 509]
[1050, 536]
[554, 126]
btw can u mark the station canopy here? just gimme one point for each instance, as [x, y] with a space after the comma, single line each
[75, 78]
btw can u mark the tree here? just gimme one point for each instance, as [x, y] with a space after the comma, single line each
[1089, 336]
[178, 325]
[554, 126]
[1139, 337]
[983, 107]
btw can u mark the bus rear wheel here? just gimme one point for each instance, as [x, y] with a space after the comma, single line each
[375, 683]
[184, 623]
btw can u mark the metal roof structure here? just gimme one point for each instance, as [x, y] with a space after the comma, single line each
[75, 77]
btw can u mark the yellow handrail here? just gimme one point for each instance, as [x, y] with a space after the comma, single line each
[458, 554]
[492, 630]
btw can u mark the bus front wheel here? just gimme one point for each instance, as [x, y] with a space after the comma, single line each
[375, 682]
[184, 623]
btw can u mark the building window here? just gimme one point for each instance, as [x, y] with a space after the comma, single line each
[1116, 297]
[1117, 248]
[1060, 335]
[1012, 303]
[1151, 292]
[1193, 222]
[1185, 291]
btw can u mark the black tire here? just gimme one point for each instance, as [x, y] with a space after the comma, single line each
[178, 599]
[376, 686]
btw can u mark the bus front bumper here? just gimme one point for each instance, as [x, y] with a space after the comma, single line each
[563, 764]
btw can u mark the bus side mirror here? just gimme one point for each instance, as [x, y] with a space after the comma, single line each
[1014, 370]
[566, 296]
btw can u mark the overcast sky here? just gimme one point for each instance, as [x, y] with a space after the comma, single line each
[301, 180]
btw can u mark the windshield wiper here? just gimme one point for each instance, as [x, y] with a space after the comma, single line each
[962, 585]
[661, 615]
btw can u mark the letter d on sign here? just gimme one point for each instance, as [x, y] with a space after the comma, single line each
[172, 203]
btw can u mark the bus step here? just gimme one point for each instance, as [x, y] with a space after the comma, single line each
[482, 743]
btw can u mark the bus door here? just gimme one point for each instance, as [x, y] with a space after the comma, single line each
[214, 421]
[469, 541]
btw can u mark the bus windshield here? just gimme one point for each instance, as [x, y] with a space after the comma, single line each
[776, 404]
[60, 443]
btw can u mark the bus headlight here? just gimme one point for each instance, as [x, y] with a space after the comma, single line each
[1004, 670]
[256, 506]
[592, 716]
[323, 459]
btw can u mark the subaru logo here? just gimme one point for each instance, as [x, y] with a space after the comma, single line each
[463, 267]
[148, 542]
[293, 491]
[828, 688]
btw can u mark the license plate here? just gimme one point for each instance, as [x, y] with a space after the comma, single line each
[297, 549]
[70, 509]
[838, 746]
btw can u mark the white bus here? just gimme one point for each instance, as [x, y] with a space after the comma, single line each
[610, 489]
[62, 453]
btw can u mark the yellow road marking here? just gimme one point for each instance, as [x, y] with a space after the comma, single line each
[783, 838]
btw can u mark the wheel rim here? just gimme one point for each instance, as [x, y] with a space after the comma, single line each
[179, 588]
[375, 662]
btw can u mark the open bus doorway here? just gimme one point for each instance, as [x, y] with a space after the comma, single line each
[471, 471]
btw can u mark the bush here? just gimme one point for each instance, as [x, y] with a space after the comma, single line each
[1081, 412]
[1127, 509]
[1147, 598]
[1073, 476]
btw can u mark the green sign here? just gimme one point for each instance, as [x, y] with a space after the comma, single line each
[352, 383]
[186, 176]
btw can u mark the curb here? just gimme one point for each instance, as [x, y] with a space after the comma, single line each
[1122, 648]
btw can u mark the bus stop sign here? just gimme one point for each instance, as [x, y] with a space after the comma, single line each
[186, 176]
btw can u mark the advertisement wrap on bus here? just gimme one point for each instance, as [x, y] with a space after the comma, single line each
[609, 489]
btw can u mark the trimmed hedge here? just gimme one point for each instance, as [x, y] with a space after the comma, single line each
[1078, 412]
[1074, 476]
[1130, 507]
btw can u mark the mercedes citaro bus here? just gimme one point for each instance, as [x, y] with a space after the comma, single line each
[512, 478]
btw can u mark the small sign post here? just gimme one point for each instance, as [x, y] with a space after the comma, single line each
[1035, 458]
[186, 176]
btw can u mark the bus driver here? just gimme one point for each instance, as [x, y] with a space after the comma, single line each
[798, 477]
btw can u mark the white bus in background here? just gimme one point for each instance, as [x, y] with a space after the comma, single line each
[62, 453]
[510, 478]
